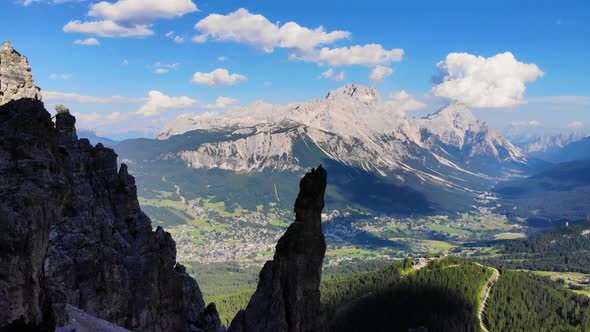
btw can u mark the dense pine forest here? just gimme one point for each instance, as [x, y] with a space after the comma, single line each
[444, 296]
[521, 301]
[560, 249]
[230, 286]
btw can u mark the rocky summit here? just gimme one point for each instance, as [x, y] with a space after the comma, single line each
[287, 297]
[16, 80]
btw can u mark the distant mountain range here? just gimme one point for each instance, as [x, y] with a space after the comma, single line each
[548, 144]
[95, 139]
[578, 150]
[351, 125]
[560, 192]
[377, 159]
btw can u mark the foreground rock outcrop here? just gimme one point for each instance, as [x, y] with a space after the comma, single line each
[287, 297]
[16, 80]
[72, 232]
[78, 254]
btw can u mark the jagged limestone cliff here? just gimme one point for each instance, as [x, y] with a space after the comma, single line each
[71, 229]
[72, 232]
[16, 80]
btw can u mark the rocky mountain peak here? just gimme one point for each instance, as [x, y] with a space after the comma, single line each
[59, 108]
[456, 114]
[16, 80]
[7, 46]
[366, 94]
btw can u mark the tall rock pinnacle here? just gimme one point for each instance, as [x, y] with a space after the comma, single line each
[287, 297]
[65, 123]
[16, 80]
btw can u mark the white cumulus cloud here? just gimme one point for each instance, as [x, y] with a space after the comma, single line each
[328, 73]
[341, 76]
[158, 102]
[28, 2]
[575, 124]
[174, 37]
[244, 27]
[78, 98]
[366, 55]
[87, 42]
[86, 119]
[64, 76]
[380, 73]
[218, 77]
[531, 123]
[141, 11]
[221, 103]
[107, 29]
[129, 18]
[163, 68]
[302, 43]
[497, 81]
[402, 102]
[117, 116]
[331, 74]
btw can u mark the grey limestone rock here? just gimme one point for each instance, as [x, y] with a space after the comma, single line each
[16, 80]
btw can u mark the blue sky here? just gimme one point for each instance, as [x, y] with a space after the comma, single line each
[552, 35]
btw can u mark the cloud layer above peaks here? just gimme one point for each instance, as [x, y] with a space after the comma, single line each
[495, 82]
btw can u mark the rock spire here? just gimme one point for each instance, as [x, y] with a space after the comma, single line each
[288, 297]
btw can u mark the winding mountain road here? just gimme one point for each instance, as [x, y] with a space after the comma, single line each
[486, 293]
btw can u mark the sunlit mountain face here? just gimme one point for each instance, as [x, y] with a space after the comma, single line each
[352, 130]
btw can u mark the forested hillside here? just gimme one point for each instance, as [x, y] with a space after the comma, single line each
[444, 296]
[561, 249]
[521, 301]
[559, 192]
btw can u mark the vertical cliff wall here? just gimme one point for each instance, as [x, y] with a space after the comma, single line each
[72, 232]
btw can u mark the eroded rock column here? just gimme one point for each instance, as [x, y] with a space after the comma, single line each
[287, 297]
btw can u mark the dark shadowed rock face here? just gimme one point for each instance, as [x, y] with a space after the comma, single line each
[72, 232]
[287, 297]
